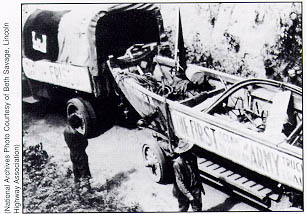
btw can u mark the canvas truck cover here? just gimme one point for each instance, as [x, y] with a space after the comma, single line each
[86, 35]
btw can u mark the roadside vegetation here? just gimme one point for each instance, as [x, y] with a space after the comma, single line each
[267, 43]
[48, 189]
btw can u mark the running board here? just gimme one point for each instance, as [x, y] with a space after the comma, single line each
[244, 186]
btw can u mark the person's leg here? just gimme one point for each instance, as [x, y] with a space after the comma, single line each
[84, 171]
[196, 204]
[183, 203]
[75, 168]
[84, 166]
[77, 177]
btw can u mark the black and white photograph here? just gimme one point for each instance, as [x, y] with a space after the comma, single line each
[153, 107]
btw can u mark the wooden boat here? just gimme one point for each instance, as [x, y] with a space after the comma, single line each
[255, 124]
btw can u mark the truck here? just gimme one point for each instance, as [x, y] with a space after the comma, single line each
[64, 55]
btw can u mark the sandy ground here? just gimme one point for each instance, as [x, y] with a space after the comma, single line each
[116, 156]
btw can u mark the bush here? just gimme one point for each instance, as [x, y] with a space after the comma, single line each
[286, 53]
[47, 189]
[197, 54]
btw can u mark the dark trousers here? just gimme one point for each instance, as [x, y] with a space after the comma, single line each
[184, 203]
[80, 165]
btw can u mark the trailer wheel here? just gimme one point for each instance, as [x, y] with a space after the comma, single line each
[85, 111]
[155, 162]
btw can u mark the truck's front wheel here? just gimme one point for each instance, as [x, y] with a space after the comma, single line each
[84, 110]
[155, 162]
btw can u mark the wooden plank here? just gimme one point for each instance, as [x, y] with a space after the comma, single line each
[244, 187]
[215, 170]
[265, 191]
[258, 187]
[209, 167]
[242, 180]
[226, 173]
[274, 196]
[234, 177]
[201, 160]
[207, 164]
[220, 170]
[215, 166]
[249, 184]
[250, 198]
[211, 180]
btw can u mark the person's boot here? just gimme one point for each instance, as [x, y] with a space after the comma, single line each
[85, 185]
[77, 187]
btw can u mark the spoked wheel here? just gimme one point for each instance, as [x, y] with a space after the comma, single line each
[155, 162]
[84, 110]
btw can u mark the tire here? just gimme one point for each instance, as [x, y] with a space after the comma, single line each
[155, 162]
[87, 114]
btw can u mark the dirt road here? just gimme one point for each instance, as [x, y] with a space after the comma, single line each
[115, 156]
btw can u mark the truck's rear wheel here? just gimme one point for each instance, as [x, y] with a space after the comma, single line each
[155, 162]
[84, 110]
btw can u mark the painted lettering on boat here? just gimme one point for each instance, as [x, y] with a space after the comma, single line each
[258, 157]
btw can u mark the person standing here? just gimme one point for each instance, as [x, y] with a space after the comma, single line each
[77, 144]
[187, 187]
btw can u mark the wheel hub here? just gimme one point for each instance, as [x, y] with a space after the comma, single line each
[151, 162]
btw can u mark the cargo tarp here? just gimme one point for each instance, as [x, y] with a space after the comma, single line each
[40, 34]
[112, 15]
